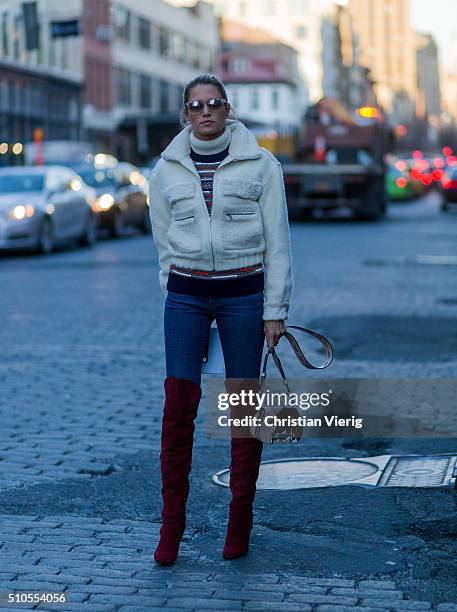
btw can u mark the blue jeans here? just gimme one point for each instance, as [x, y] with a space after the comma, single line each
[239, 320]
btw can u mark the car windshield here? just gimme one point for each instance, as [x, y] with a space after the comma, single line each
[17, 183]
[97, 178]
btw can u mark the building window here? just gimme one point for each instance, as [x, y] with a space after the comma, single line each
[164, 42]
[178, 43]
[64, 55]
[124, 87]
[192, 53]
[239, 65]
[144, 33]
[275, 99]
[5, 30]
[255, 99]
[164, 97]
[301, 31]
[174, 101]
[234, 98]
[155, 37]
[145, 91]
[52, 52]
[121, 18]
[17, 37]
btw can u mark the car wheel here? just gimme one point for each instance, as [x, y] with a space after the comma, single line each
[45, 243]
[117, 228]
[89, 236]
[146, 225]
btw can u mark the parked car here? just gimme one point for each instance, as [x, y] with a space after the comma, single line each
[449, 188]
[42, 206]
[121, 195]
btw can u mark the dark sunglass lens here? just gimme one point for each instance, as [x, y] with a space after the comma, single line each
[195, 105]
[215, 103]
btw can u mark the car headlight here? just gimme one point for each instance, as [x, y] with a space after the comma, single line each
[104, 202]
[21, 211]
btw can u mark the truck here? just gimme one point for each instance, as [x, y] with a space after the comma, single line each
[339, 161]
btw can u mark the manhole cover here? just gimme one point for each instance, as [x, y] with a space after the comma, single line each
[381, 471]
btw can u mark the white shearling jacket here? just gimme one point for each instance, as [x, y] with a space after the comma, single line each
[248, 223]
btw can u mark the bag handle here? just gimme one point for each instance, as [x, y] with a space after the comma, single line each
[299, 353]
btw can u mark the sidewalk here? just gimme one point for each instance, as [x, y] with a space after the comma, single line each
[107, 566]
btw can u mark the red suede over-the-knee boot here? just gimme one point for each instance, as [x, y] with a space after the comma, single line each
[246, 454]
[244, 470]
[182, 398]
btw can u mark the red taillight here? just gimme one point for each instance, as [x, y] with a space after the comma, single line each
[426, 179]
[437, 174]
[449, 184]
[401, 182]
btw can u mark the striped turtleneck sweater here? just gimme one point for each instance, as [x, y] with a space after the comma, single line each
[207, 156]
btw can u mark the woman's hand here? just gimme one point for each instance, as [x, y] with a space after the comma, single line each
[273, 331]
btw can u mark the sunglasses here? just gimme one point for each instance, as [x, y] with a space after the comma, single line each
[195, 107]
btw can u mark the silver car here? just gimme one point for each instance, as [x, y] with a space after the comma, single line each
[42, 206]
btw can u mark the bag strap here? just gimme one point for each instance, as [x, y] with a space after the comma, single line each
[299, 353]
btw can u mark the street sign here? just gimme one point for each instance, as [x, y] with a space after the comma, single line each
[62, 29]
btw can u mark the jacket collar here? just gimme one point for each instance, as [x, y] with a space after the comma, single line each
[243, 144]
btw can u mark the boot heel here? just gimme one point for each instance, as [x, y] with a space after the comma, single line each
[171, 534]
[238, 533]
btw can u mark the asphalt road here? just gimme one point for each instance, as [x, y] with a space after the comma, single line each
[81, 377]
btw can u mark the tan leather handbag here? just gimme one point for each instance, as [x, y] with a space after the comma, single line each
[272, 434]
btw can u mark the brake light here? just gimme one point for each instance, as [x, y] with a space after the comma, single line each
[449, 184]
[426, 179]
[437, 174]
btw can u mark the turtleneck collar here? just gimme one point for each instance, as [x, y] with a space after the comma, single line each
[210, 147]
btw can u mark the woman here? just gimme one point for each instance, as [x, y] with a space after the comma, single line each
[220, 224]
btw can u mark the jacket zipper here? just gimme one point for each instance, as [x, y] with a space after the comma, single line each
[211, 239]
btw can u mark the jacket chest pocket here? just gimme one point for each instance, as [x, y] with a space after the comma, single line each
[179, 195]
[243, 228]
[183, 235]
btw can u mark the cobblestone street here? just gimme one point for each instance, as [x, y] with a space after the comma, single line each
[81, 379]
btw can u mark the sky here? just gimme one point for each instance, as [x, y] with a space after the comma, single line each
[440, 19]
